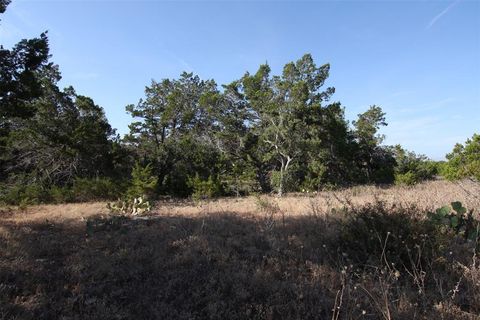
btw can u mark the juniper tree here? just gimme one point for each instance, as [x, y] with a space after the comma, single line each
[287, 109]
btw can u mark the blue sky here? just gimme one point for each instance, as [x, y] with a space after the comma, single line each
[420, 61]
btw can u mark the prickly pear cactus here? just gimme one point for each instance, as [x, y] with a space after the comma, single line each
[134, 207]
[455, 218]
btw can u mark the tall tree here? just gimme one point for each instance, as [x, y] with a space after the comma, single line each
[241, 167]
[370, 155]
[68, 137]
[287, 109]
[260, 131]
[21, 72]
[176, 120]
[47, 135]
[3, 5]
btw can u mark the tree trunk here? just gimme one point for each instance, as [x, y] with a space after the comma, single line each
[280, 186]
[282, 170]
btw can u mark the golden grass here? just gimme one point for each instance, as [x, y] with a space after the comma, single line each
[425, 196]
[227, 259]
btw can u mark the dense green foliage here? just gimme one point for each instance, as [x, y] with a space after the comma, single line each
[3, 5]
[143, 183]
[55, 145]
[260, 133]
[454, 219]
[411, 168]
[464, 160]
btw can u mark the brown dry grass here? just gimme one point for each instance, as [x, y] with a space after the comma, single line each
[425, 196]
[289, 258]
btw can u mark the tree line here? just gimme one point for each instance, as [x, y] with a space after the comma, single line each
[189, 136]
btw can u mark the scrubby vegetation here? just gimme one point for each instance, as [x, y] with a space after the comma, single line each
[342, 261]
[464, 160]
[261, 133]
[155, 254]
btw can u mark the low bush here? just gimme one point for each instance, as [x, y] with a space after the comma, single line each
[85, 189]
[25, 194]
[61, 194]
[409, 178]
[143, 183]
[375, 232]
[412, 168]
[464, 160]
[205, 189]
[82, 190]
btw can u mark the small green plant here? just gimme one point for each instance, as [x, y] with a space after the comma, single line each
[463, 161]
[288, 183]
[143, 184]
[455, 218]
[406, 179]
[130, 207]
[204, 189]
[61, 194]
[90, 189]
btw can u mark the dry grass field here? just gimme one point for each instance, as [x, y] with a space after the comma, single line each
[360, 253]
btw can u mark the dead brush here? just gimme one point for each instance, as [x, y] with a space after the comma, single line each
[469, 281]
[385, 276]
[270, 211]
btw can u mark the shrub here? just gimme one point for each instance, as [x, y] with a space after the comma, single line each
[61, 194]
[204, 189]
[143, 183]
[289, 181]
[412, 168]
[83, 189]
[464, 160]
[26, 194]
[86, 189]
[240, 180]
[375, 232]
[408, 179]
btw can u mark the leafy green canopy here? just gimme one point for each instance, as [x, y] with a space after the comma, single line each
[464, 160]
[260, 133]
[3, 5]
[48, 137]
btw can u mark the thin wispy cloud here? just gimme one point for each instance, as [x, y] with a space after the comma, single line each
[441, 14]
[179, 61]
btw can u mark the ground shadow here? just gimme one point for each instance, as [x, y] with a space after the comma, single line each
[220, 266]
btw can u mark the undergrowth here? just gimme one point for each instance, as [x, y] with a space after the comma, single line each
[358, 262]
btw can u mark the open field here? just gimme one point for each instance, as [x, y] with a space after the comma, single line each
[373, 257]
[425, 196]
